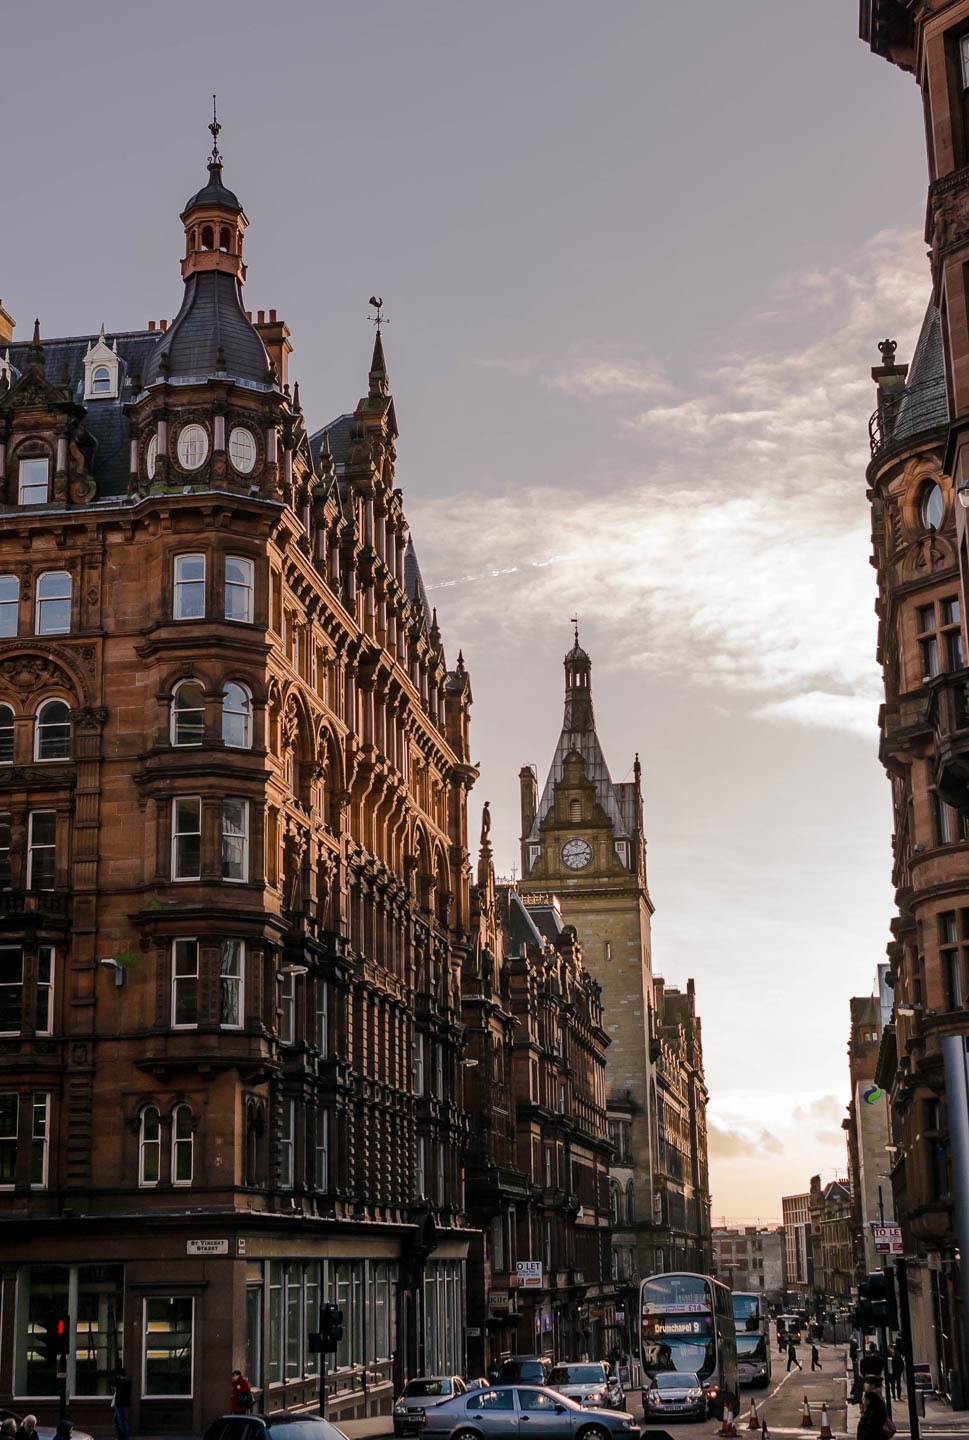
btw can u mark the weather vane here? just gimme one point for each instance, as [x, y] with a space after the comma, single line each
[215, 127]
[378, 319]
[575, 622]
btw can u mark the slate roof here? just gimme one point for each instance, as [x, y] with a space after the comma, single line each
[579, 735]
[338, 431]
[522, 929]
[105, 421]
[211, 320]
[924, 404]
[414, 583]
[213, 192]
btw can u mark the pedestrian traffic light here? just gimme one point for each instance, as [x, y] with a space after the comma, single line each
[331, 1329]
[55, 1342]
[876, 1301]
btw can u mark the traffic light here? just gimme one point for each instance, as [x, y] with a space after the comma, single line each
[331, 1329]
[55, 1342]
[876, 1301]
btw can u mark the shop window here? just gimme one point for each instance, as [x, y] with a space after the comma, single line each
[94, 1297]
[167, 1345]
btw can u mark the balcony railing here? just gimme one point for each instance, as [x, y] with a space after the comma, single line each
[33, 907]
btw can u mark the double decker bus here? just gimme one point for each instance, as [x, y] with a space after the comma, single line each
[686, 1324]
[753, 1337]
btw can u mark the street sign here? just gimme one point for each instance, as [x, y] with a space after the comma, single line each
[888, 1239]
[529, 1274]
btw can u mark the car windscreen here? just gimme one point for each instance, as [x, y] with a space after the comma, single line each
[679, 1381]
[522, 1370]
[315, 1429]
[577, 1375]
[427, 1387]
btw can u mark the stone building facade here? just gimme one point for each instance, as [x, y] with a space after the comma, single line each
[583, 840]
[921, 552]
[234, 885]
[868, 1135]
[831, 1241]
[750, 1259]
[798, 1249]
[540, 1272]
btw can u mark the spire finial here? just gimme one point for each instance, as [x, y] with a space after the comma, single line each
[215, 128]
[575, 623]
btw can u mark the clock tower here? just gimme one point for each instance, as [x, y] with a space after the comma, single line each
[583, 841]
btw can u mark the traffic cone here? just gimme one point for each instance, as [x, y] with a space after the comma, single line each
[727, 1427]
[752, 1422]
[806, 1422]
[825, 1432]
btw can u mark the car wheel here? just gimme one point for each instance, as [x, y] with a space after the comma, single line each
[465, 1435]
[593, 1432]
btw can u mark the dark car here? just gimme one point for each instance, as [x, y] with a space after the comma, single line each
[525, 1370]
[674, 1395]
[502, 1411]
[273, 1427]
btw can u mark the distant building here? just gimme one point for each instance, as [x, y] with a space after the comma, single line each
[583, 841]
[540, 1272]
[751, 1258]
[798, 1248]
[830, 1209]
[868, 1135]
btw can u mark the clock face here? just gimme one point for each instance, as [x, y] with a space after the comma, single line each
[576, 854]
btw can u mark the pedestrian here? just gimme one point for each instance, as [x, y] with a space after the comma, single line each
[8, 1428]
[896, 1371]
[241, 1401]
[792, 1355]
[121, 1403]
[815, 1358]
[64, 1428]
[27, 1429]
[872, 1366]
[873, 1417]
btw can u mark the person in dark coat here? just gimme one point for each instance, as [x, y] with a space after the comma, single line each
[897, 1370]
[792, 1356]
[27, 1429]
[121, 1403]
[872, 1365]
[871, 1421]
[815, 1357]
[240, 1402]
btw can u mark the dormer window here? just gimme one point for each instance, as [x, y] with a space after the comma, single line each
[34, 482]
[101, 367]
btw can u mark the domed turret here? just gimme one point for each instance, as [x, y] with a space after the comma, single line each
[211, 334]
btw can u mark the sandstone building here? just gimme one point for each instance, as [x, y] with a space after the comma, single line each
[750, 1258]
[868, 1134]
[583, 841]
[234, 888]
[537, 1178]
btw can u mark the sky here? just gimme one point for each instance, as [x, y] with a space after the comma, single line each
[636, 258]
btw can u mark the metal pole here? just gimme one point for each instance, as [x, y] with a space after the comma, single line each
[908, 1348]
[957, 1105]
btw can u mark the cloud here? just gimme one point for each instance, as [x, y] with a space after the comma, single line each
[739, 1143]
[726, 533]
[823, 1117]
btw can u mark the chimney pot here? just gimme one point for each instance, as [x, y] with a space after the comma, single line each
[272, 317]
[151, 324]
[164, 324]
[261, 316]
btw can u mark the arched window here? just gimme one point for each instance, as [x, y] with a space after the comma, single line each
[182, 1146]
[188, 713]
[6, 735]
[630, 1201]
[208, 237]
[615, 1203]
[237, 716]
[54, 603]
[149, 1146]
[224, 238]
[101, 380]
[52, 732]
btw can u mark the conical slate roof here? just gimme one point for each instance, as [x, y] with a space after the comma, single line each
[214, 192]
[414, 583]
[924, 404]
[211, 334]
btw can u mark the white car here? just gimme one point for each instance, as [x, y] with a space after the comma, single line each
[420, 1395]
[589, 1382]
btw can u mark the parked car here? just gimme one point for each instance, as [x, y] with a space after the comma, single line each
[589, 1382]
[417, 1395]
[525, 1370]
[675, 1394]
[272, 1427]
[499, 1412]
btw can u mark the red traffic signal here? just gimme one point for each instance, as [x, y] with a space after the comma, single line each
[55, 1342]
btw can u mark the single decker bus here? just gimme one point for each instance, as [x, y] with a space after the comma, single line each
[753, 1337]
[686, 1324]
